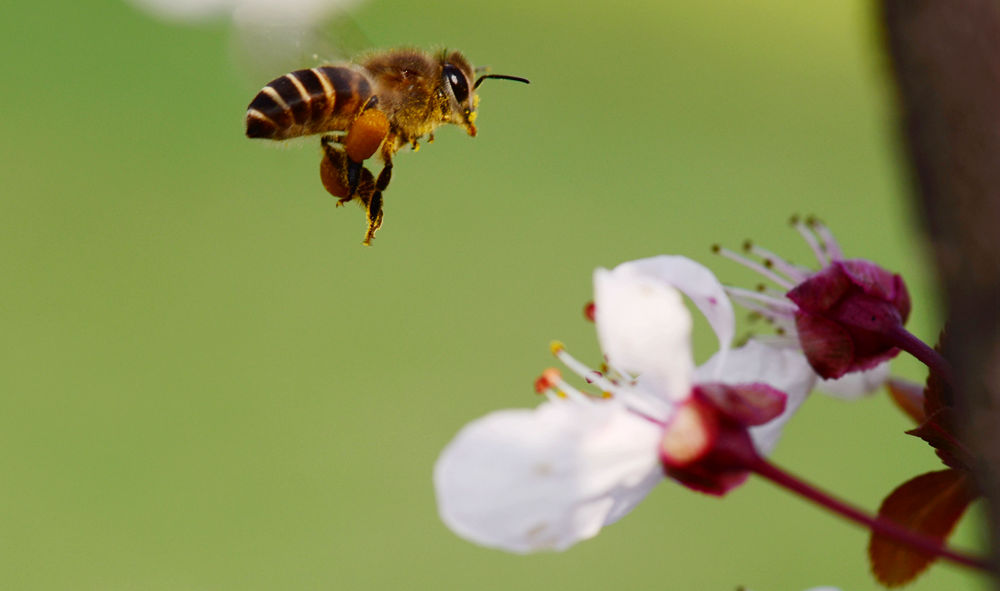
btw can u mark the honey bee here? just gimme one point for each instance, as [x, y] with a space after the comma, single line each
[382, 103]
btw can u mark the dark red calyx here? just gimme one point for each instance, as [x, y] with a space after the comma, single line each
[706, 445]
[848, 316]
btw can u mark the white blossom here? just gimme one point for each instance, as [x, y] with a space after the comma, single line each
[545, 479]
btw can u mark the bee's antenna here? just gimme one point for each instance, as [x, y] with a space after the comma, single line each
[501, 77]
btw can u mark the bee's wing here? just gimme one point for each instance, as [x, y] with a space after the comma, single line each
[265, 51]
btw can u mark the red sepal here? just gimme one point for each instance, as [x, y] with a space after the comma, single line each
[747, 404]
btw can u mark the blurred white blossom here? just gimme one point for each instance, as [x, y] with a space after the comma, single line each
[269, 37]
[247, 13]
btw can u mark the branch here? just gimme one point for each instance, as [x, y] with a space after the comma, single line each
[945, 57]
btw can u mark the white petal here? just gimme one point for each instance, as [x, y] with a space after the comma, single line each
[523, 480]
[857, 384]
[781, 368]
[645, 329]
[697, 282]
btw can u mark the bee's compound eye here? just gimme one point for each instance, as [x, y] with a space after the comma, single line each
[456, 80]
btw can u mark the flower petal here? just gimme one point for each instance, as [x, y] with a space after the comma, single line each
[781, 368]
[854, 385]
[645, 329]
[697, 282]
[524, 481]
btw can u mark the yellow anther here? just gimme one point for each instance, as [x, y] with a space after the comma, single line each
[556, 347]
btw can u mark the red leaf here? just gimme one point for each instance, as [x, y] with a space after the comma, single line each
[937, 432]
[929, 504]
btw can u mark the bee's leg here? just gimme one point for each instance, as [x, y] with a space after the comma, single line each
[333, 173]
[362, 140]
[353, 175]
[385, 175]
[380, 185]
[374, 217]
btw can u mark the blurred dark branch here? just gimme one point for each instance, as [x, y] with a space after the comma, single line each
[945, 57]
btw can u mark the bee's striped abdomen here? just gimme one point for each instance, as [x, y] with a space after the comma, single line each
[310, 101]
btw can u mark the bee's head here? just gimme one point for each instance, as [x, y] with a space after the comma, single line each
[457, 76]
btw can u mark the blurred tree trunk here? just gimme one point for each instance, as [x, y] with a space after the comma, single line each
[945, 57]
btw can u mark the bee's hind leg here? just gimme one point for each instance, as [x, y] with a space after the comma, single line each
[333, 172]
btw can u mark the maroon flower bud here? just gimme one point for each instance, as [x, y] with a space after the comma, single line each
[846, 317]
[849, 315]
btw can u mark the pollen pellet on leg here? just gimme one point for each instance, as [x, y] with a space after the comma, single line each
[367, 133]
[330, 175]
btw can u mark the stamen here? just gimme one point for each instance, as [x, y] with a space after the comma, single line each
[782, 341]
[830, 243]
[589, 310]
[811, 240]
[770, 303]
[762, 313]
[794, 272]
[616, 374]
[568, 390]
[754, 266]
[591, 376]
[651, 409]
[554, 396]
[772, 292]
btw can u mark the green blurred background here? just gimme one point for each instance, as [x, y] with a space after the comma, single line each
[209, 384]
